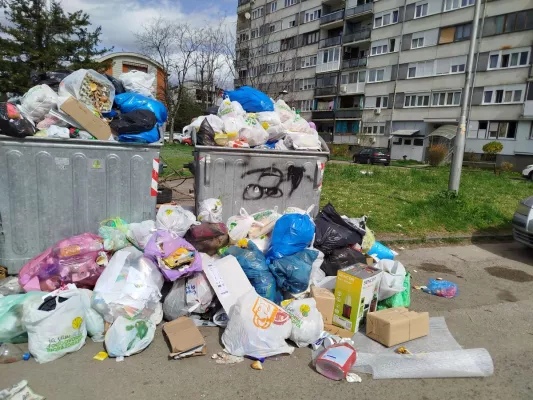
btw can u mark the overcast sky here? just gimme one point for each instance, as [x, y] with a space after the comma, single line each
[120, 19]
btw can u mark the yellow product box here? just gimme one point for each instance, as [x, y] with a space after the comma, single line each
[356, 294]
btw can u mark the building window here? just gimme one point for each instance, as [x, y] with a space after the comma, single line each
[382, 101]
[513, 22]
[255, 33]
[377, 50]
[376, 75]
[309, 61]
[330, 55]
[450, 5]
[374, 129]
[496, 130]
[418, 142]
[509, 58]
[292, 24]
[386, 18]
[353, 77]
[416, 100]
[457, 68]
[289, 3]
[531, 131]
[421, 69]
[307, 84]
[243, 37]
[312, 15]
[273, 6]
[397, 141]
[446, 99]
[258, 12]
[272, 28]
[311, 38]
[462, 32]
[421, 10]
[407, 142]
[455, 33]
[504, 95]
[417, 43]
[306, 105]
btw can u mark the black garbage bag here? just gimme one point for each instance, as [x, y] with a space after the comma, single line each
[137, 121]
[50, 78]
[12, 123]
[341, 258]
[206, 134]
[119, 87]
[332, 232]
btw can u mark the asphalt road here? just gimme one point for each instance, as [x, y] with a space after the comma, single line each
[494, 310]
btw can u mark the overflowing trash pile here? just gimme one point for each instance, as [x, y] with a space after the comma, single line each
[248, 118]
[86, 105]
[273, 280]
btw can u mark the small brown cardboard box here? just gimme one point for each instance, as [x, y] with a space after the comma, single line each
[325, 302]
[83, 116]
[335, 330]
[396, 325]
[184, 338]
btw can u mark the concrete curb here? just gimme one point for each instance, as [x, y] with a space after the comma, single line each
[496, 237]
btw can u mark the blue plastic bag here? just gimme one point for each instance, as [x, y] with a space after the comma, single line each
[381, 251]
[293, 272]
[130, 101]
[252, 100]
[442, 288]
[252, 262]
[145, 137]
[292, 233]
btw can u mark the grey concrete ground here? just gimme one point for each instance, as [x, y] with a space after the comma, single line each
[493, 310]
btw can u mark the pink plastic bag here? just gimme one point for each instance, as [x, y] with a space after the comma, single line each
[71, 260]
[162, 244]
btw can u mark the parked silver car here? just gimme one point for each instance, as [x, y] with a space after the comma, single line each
[523, 222]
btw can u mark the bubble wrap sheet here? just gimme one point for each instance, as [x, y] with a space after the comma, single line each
[437, 355]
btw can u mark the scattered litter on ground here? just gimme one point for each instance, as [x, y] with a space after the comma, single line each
[225, 358]
[257, 365]
[353, 378]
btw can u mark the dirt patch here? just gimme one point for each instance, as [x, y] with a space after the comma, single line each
[514, 275]
[506, 295]
[442, 269]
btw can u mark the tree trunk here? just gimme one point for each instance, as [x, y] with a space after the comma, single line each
[171, 130]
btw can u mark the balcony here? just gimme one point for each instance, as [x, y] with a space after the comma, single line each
[347, 113]
[243, 5]
[328, 42]
[359, 36]
[354, 63]
[336, 16]
[326, 91]
[359, 10]
[243, 25]
[326, 114]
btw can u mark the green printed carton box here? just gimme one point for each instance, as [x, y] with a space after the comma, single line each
[356, 294]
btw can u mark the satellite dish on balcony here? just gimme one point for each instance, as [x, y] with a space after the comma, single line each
[247, 15]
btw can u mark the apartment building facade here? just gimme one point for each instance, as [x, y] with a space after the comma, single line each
[392, 72]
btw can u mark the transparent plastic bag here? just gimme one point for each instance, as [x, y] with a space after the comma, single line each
[253, 132]
[232, 126]
[93, 320]
[12, 329]
[231, 109]
[269, 119]
[307, 322]
[175, 219]
[114, 231]
[284, 111]
[297, 124]
[138, 82]
[140, 233]
[266, 220]
[38, 101]
[210, 210]
[90, 88]
[442, 288]
[302, 141]
[239, 225]
[129, 336]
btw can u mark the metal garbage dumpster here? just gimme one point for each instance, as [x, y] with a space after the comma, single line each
[51, 189]
[258, 179]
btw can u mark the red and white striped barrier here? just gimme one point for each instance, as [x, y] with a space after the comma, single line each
[155, 177]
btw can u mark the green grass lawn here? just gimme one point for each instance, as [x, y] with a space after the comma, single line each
[414, 202]
[175, 156]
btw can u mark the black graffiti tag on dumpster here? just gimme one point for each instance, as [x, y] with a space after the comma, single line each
[269, 180]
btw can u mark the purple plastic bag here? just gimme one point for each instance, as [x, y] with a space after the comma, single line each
[161, 245]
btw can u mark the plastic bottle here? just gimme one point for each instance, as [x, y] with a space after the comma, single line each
[9, 353]
[335, 362]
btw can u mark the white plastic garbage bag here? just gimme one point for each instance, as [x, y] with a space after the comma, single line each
[265, 221]
[284, 111]
[276, 132]
[175, 304]
[262, 242]
[197, 122]
[90, 88]
[199, 293]
[54, 333]
[210, 210]
[232, 126]
[307, 323]
[257, 327]
[392, 278]
[216, 123]
[129, 336]
[303, 141]
[269, 119]
[130, 286]
[138, 82]
[231, 109]
[140, 233]
[297, 124]
[38, 101]
[239, 225]
[317, 274]
[253, 132]
[175, 219]
[94, 321]
[280, 145]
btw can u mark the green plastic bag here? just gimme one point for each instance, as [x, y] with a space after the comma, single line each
[402, 299]
[12, 330]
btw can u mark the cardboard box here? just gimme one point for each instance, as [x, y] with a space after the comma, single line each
[335, 330]
[396, 325]
[83, 116]
[228, 280]
[356, 294]
[325, 303]
[184, 338]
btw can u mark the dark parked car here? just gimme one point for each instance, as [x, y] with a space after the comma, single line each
[373, 155]
[523, 222]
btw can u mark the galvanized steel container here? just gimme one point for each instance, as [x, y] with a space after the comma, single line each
[51, 189]
[258, 179]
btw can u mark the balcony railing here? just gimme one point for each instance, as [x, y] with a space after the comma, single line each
[357, 36]
[242, 25]
[328, 114]
[326, 91]
[332, 17]
[348, 113]
[358, 10]
[354, 62]
[328, 42]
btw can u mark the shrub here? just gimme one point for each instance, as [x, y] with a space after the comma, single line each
[340, 150]
[506, 166]
[436, 154]
[470, 156]
[493, 148]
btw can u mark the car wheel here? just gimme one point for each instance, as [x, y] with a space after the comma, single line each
[368, 161]
[531, 176]
[354, 159]
[164, 195]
